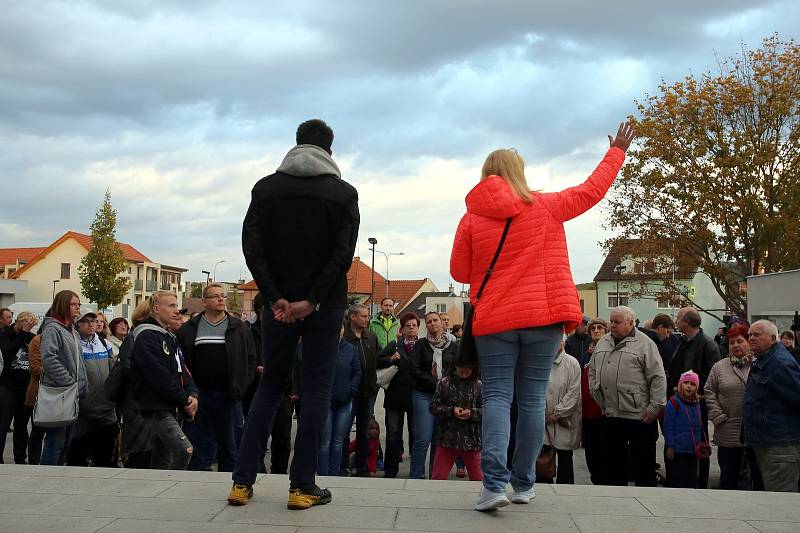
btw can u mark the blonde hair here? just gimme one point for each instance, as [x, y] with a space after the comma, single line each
[26, 318]
[141, 313]
[156, 298]
[510, 166]
[106, 332]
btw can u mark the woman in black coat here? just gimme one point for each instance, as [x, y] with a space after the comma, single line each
[397, 398]
[431, 359]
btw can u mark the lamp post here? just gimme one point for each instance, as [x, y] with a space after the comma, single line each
[208, 276]
[387, 256]
[214, 275]
[54, 287]
[373, 241]
[619, 269]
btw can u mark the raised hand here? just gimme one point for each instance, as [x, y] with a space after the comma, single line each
[624, 138]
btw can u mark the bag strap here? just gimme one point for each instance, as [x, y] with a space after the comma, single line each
[691, 430]
[494, 260]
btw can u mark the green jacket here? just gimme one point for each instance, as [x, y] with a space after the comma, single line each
[385, 335]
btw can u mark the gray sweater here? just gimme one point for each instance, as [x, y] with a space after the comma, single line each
[62, 361]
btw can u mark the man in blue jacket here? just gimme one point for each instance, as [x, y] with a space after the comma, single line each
[771, 409]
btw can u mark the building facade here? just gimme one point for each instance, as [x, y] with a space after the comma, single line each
[55, 268]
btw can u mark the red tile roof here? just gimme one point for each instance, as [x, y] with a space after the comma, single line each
[131, 253]
[10, 256]
[249, 286]
[359, 278]
[400, 290]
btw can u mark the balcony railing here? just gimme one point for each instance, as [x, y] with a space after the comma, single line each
[151, 285]
[165, 286]
[138, 284]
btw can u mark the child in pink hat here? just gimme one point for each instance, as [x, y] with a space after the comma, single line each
[683, 432]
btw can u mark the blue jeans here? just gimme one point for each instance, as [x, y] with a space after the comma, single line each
[212, 432]
[320, 332]
[423, 432]
[333, 433]
[518, 360]
[54, 448]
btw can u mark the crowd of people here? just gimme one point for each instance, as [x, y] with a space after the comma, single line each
[176, 392]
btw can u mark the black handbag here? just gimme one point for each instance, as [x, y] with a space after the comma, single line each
[467, 353]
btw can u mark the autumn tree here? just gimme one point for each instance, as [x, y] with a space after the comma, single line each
[100, 269]
[714, 179]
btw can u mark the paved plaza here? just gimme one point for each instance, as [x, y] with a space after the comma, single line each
[84, 500]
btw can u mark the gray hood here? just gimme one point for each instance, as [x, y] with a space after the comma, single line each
[308, 160]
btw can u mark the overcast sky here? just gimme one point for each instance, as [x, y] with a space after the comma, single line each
[180, 107]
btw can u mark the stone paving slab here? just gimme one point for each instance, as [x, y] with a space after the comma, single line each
[630, 524]
[66, 500]
[26, 523]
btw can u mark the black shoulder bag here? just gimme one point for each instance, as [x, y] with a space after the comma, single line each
[467, 353]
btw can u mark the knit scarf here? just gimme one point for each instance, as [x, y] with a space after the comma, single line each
[741, 362]
[441, 342]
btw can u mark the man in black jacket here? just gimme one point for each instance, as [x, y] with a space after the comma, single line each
[577, 344]
[162, 386]
[397, 399]
[366, 344]
[221, 354]
[298, 238]
[696, 352]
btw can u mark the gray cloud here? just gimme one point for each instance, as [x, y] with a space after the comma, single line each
[179, 108]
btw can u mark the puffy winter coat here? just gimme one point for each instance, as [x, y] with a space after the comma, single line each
[532, 283]
[724, 394]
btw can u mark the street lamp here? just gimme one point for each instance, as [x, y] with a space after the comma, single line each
[373, 241]
[54, 287]
[619, 269]
[208, 276]
[214, 275]
[387, 255]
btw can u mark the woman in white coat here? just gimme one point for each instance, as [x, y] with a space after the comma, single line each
[563, 413]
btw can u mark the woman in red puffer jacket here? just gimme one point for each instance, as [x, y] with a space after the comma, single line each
[529, 301]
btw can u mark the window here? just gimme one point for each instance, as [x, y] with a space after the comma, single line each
[441, 308]
[613, 301]
[64, 270]
[582, 306]
[637, 268]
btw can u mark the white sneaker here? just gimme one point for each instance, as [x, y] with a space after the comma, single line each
[489, 501]
[524, 496]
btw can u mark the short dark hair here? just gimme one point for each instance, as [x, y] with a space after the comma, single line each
[456, 328]
[787, 335]
[387, 298]
[692, 317]
[258, 302]
[4, 309]
[408, 316]
[664, 321]
[315, 132]
[112, 326]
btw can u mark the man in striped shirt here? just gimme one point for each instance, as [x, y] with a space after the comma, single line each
[221, 355]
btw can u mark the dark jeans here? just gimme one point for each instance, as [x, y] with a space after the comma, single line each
[35, 443]
[55, 445]
[320, 332]
[394, 438]
[212, 432]
[363, 411]
[594, 442]
[566, 473]
[624, 434]
[98, 445]
[730, 468]
[281, 445]
[683, 471]
[12, 405]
